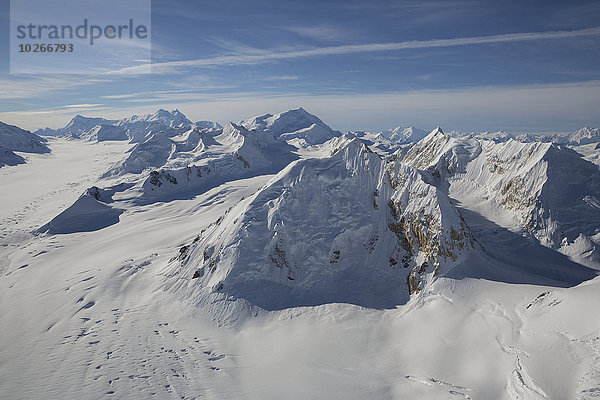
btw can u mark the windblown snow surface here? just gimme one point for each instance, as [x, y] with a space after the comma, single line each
[280, 259]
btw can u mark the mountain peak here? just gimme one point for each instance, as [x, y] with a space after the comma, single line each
[172, 119]
[297, 115]
[296, 123]
[77, 119]
[435, 134]
[585, 135]
[161, 112]
[406, 134]
[297, 110]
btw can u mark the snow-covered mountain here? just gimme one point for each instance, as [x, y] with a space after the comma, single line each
[13, 138]
[80, 125]
[346, 228]
[278, 258]
[180, 160]
[404, 135]
[377, 142]
[550, 189]
[295, 126]
[199, 159]
[580, 137]
[584, 136]
[138, 126]
[76, 128]
[135, 128]
[210, 125]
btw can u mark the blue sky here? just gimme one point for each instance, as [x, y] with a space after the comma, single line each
[464, 65]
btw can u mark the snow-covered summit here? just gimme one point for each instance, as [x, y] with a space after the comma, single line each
[80, 124]
[435, 134]
[293, 125]
[584, 136]
[77, 128]
[167, 164]
[16, 139]
[169, 119]
[139, 126]
[90, 212]
[404, 135]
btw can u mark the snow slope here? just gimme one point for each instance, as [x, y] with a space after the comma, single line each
[376, 142]
[13, 138]
[90, 212]
[207, 125]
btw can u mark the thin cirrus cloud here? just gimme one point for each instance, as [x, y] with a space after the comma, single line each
[82, 106]
[28, 87]
[264, 56]
[282, 78]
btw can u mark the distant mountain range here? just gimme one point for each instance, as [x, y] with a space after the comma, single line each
[134, 128]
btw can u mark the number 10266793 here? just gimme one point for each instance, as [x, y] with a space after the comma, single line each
[46, 48]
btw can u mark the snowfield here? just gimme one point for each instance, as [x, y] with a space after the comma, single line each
[278, 258]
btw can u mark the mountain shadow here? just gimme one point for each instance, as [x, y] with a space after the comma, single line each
[510, 257]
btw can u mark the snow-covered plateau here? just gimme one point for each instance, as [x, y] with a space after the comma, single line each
[278, 258]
